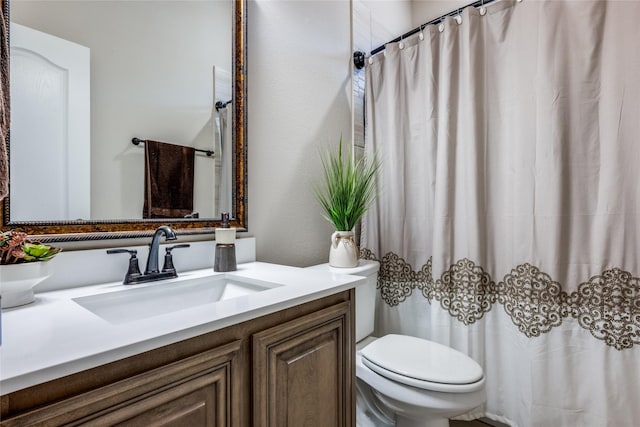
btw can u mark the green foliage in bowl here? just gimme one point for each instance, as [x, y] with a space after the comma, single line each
[16, 247]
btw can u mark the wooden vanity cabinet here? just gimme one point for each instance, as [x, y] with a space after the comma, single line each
[291, 368]
[299, 371]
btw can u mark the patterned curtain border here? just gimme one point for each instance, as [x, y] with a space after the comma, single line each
[607, 305]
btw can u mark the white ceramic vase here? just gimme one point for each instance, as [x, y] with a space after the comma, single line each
[18, 280]
[343, 252]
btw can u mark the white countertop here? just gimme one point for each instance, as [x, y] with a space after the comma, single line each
[55, 336]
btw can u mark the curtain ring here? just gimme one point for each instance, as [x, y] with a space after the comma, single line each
[401, 44]
[458, 18]
[483, 10]
[421, 35]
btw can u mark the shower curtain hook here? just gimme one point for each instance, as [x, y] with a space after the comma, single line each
[421, 35]
[483, 10]
[401, 44]
[458, 18]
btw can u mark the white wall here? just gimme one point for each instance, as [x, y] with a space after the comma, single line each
[375, 22]
[299, 65]
[151, 77]
[299, 85]
[379, 21]
[426, 10]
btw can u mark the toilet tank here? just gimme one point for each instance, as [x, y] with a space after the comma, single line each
[365, 294]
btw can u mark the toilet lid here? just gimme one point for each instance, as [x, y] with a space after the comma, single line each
[419, 362]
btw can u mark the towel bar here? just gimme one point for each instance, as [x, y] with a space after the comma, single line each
[138, 141]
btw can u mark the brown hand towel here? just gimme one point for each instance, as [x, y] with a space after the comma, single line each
[168, 180]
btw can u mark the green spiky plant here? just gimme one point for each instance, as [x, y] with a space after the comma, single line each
[349, 188]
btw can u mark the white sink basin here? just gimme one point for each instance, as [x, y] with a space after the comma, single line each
[144, 301]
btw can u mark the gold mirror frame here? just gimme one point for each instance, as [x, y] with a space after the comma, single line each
[58, 231]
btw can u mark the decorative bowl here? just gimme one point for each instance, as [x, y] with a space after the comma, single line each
[18, 280]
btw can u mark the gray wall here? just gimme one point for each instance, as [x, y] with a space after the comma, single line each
[299, 103]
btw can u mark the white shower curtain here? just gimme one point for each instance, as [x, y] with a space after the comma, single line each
[225, 203]
[508, 221]
[224, 164]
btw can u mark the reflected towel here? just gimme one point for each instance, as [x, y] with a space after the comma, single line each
[168, 180]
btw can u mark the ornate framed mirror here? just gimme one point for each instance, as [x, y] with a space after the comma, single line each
[116, 168]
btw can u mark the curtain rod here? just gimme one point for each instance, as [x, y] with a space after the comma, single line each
[138, 141]
[433, 21]
[222, 104]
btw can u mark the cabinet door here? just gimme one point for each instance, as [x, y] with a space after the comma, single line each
[200, 402]
[303, 371]
[196, 391]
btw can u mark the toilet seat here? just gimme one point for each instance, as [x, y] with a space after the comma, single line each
[423, 364]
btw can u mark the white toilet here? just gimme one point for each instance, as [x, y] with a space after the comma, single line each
[407, 381]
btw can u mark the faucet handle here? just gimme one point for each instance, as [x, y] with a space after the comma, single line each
[182, 245]
[134, 269]
[168, 258]
[133, 252]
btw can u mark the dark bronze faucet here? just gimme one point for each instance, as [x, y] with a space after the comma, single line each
[151, 272]
[152, 259]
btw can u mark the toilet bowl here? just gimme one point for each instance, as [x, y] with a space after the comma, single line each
[407, 381]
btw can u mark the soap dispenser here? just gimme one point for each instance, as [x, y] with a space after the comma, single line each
[225, 256]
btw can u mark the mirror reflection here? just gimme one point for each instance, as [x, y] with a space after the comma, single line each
[87, 77]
